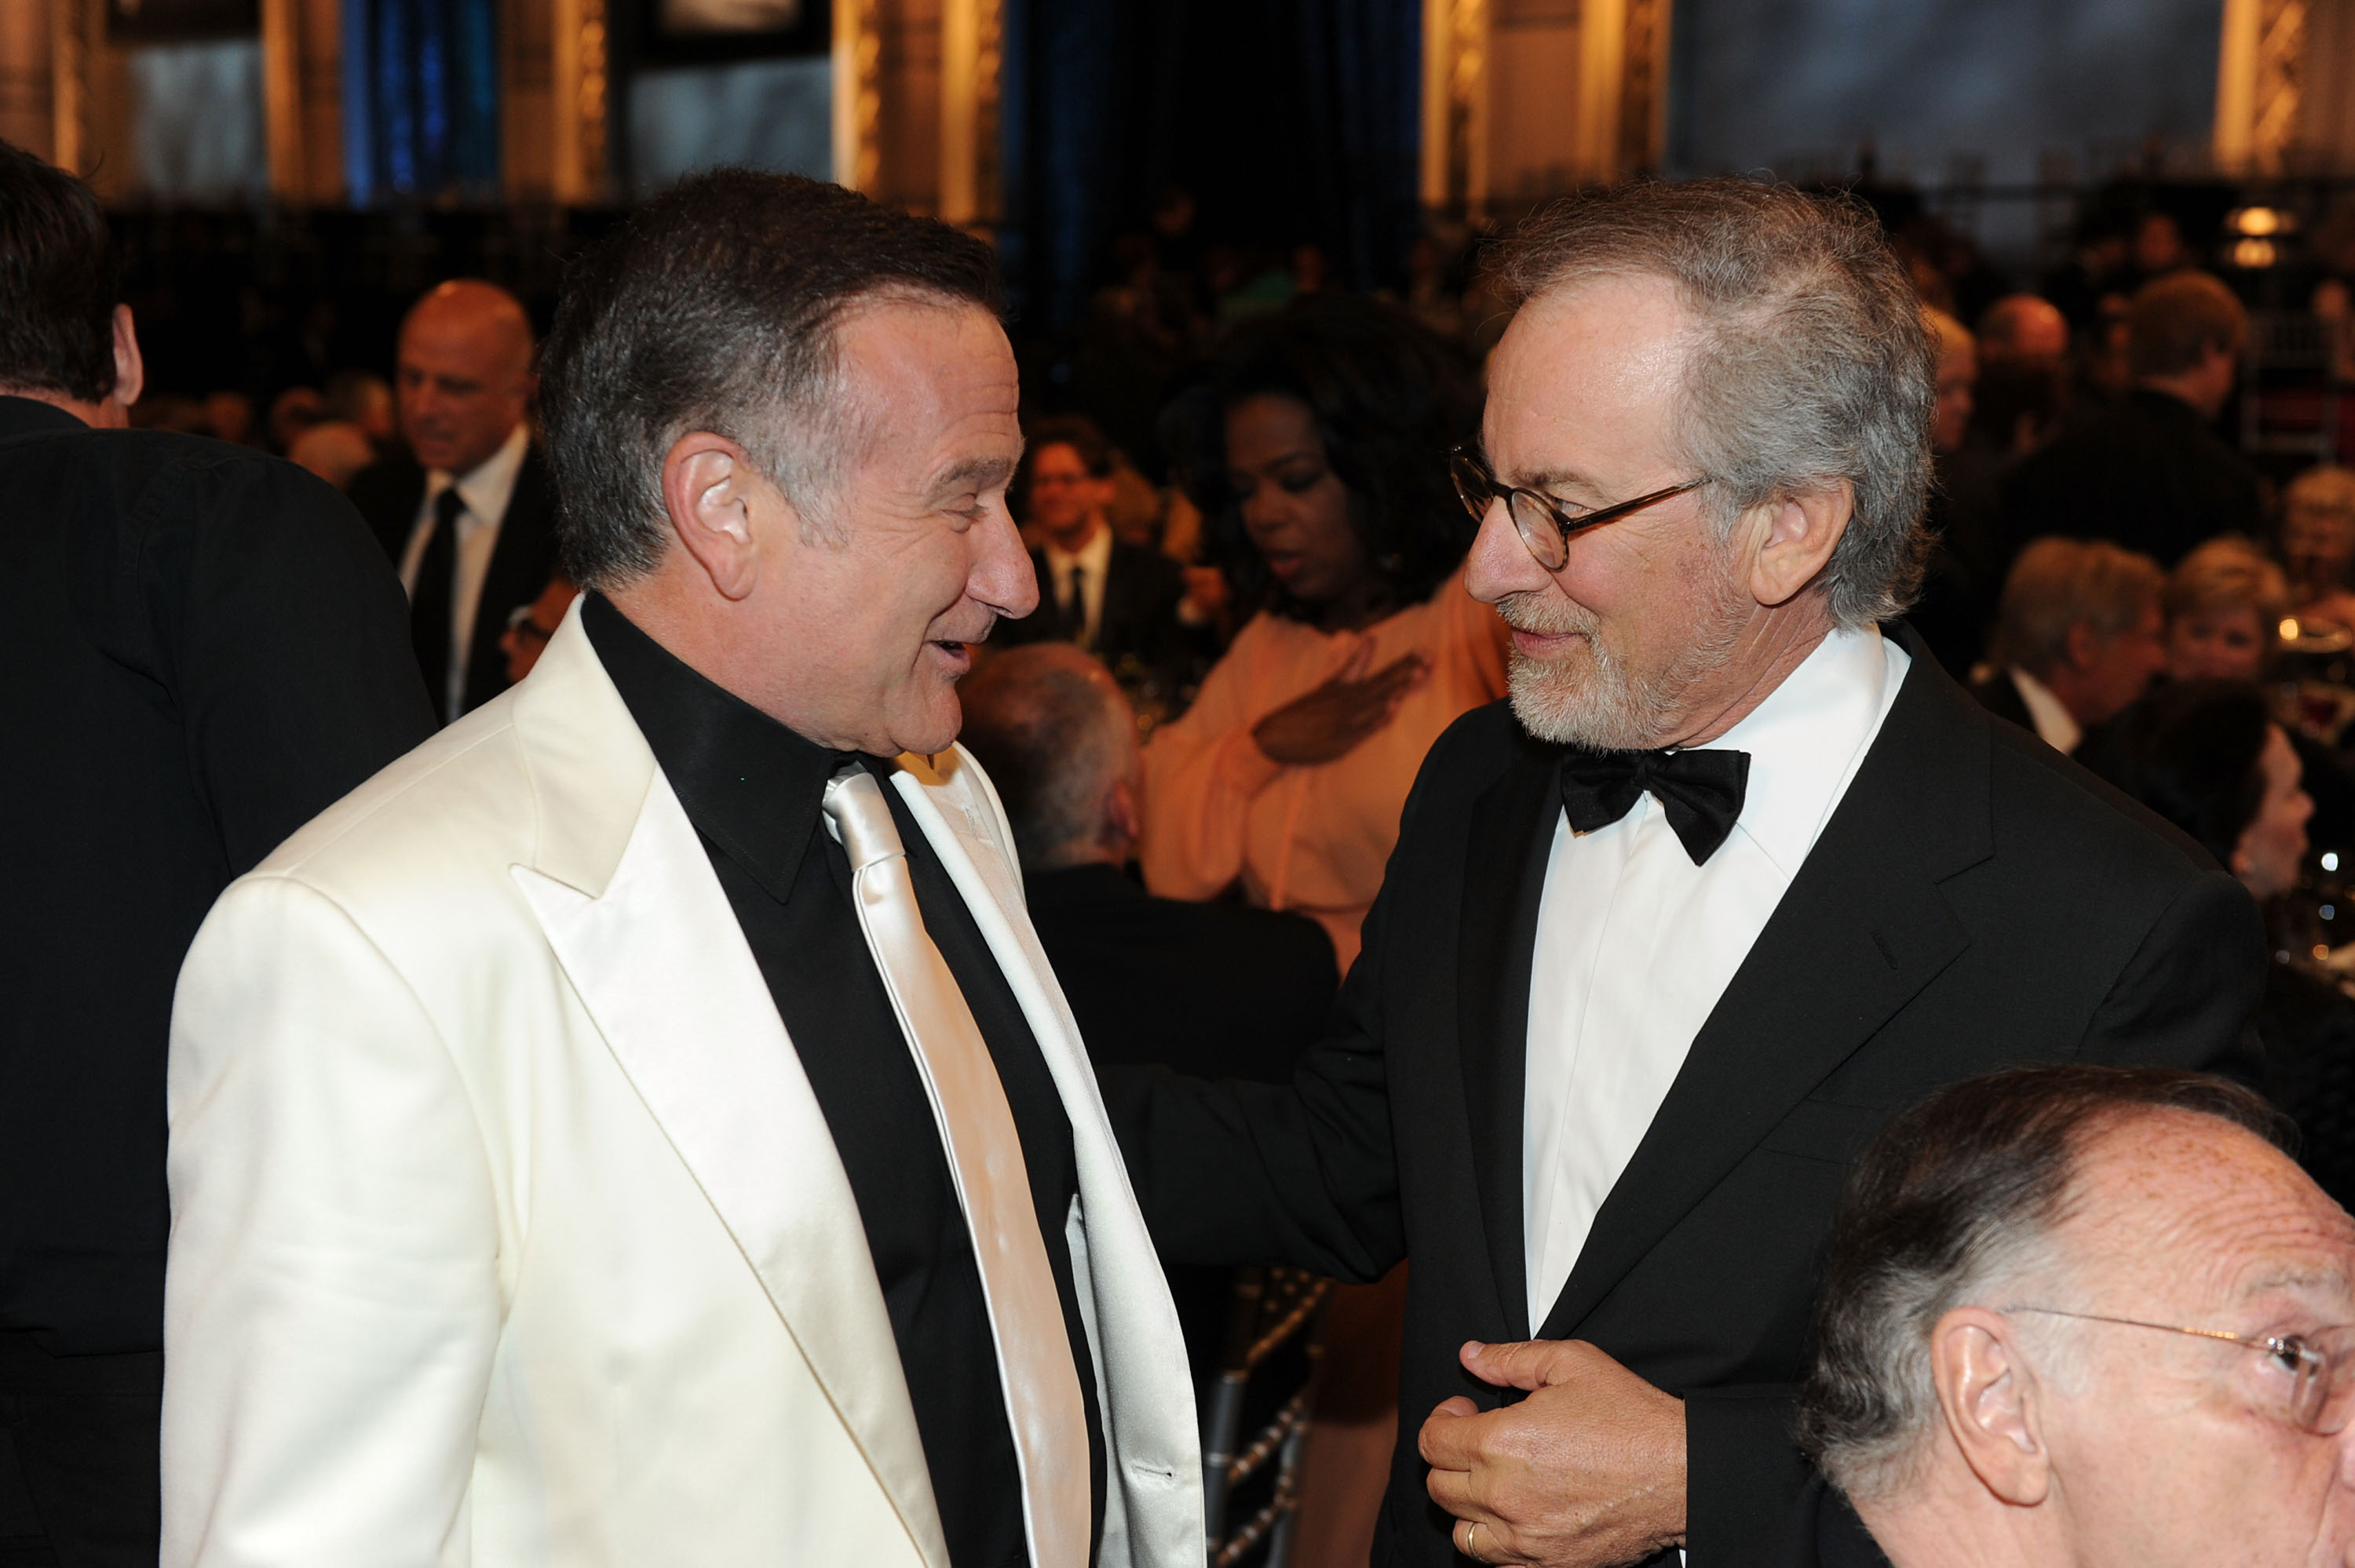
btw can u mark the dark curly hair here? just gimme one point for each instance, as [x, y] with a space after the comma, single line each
[2190, 751]
[1389, 400]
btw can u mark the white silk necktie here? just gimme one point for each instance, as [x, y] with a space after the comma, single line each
[1025, 1314]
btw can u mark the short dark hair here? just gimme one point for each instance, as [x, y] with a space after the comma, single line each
[57, 281]
[2192, 752]
[714, 307]
[1388, 398]
[1078, 432]
[1954, 1196]
[2176, 321]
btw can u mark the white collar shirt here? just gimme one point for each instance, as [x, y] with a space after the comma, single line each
[1094, 561]
[485, 490]
[2056, 726]
[1635, 944]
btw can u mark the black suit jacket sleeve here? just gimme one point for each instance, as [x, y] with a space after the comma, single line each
[286, 642]
[2197, 978]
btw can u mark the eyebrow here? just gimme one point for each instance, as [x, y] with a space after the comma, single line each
[977, 472]
[2296, 1278]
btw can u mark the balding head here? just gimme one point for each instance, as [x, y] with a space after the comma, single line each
[2045, 1329]
[2024, 329]
[1059, 740]
[465, 373]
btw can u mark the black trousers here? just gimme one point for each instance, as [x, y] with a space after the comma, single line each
[81, 1488]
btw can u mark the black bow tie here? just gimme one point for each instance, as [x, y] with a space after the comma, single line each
[1701, 792]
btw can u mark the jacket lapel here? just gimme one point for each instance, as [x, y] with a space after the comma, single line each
[650, 944]
[1510, 841]
[1862, 929]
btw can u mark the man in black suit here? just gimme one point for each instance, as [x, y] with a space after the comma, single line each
[204, 650]
[469, 521]
[2079, 635]
[1216, 990]
[1664, 941]
[1114, 600]
[2150, 473]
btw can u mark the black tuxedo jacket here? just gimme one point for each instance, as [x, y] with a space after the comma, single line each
[1975, 900]
[204, 650]
[1142, 590]
[1999, 695]
[1215, 990]
[390, 495]
[2147, 473]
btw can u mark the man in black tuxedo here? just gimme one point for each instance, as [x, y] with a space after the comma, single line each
[1216, 990]
[1116, 601]
[2150, 473]
[1664, 941]
[204, 650]
[469, 521]
[2081, 632]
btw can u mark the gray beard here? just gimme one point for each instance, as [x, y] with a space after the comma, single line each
[1591, 698]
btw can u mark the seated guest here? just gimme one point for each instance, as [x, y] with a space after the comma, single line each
[2084, 1315]
[2150, 473]
[2225, 604]
[2024, 329]
[2078, 636]
[1966, 511]
[2317, 543]
[470, 521]
[1216, 990]
[1097, 592]
[2208, 757]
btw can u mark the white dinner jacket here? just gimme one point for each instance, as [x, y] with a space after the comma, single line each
[506, 1230]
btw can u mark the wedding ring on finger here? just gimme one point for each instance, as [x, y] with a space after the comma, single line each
[1466, 1540]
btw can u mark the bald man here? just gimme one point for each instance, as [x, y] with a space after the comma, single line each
[468, 518]
[2023, 328]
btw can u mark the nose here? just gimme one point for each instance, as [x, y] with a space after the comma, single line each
[1500, 564]
[1001, 575]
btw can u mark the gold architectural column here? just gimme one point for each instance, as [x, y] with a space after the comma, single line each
[27, 80]
[1455, 105]
[857, 94]
[970, 56]
[303, 99]
[553, 79]
[90, 98]
[2259, 75]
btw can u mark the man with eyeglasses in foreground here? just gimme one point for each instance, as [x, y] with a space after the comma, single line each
[1737, 874]
[2078, 1315]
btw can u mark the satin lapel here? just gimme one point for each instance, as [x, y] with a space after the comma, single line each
[1149, 1404]
[1510, 841]
[1862, 929]
[664, 970]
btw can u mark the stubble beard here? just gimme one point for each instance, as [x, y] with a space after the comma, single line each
[1591, 694]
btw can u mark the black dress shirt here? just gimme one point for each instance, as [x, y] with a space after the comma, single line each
[754, 790]
[203, 651]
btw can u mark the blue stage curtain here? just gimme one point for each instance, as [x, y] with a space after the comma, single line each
[420, 99]
[1289, 120]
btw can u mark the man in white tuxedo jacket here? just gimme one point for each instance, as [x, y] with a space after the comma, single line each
[639, 1127]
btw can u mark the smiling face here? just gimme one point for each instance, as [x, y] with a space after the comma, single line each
[2266, 859]
[2167, 1449]
[1616, 650]
[1066, 499]
[2227, 643]
[1295, 507]
[866, 615]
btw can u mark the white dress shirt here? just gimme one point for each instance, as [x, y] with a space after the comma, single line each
[2056, 726]
[1094, 561]
[1635, 944]
[485, 488]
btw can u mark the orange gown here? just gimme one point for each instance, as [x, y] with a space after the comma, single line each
[1312, 839]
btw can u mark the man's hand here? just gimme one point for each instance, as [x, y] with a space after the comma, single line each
[1588, 1471]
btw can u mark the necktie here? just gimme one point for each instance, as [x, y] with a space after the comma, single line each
[1699, 792]
[432, 606]
[1075, 613]
[1025, 1315]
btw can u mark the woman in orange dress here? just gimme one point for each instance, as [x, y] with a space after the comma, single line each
[1316, 450]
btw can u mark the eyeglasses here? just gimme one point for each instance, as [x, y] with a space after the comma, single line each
[2313, 1391]
[1546, 529]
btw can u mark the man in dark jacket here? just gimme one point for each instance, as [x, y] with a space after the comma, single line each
[2152, 473]
[205, 650]
[470, 521]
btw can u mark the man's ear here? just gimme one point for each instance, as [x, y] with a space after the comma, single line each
[1799, 535]
[130, 366]
[709, 488]
[1992, 1405]
[1123, 821]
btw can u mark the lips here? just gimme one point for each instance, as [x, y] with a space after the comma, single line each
[1284, 566]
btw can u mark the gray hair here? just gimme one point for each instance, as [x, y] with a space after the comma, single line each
[1055, 734]
[1957, 1200]
[1813, 364]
